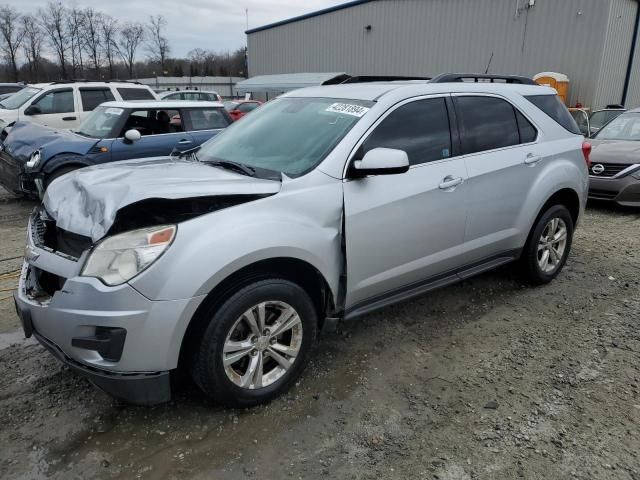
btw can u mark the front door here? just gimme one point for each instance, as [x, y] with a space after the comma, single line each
[161, 132]
[407, 229]
[56, 109]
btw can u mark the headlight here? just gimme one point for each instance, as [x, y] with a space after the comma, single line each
[35, 159]
[636, 173]
[118, 259]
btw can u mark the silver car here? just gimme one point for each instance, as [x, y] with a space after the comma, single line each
[323, 205]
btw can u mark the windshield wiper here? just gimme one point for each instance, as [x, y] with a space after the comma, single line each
[229, 165]
[185, 153]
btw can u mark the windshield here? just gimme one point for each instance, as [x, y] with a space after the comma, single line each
[602, 117]
[288, 135]
[100, 122]
[19, 98]
[625, 127]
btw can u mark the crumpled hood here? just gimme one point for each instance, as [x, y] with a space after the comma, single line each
[27, 137]
[86, 201]
[615, 151]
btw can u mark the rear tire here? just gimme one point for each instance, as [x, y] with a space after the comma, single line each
[256, 343]
[548, 245]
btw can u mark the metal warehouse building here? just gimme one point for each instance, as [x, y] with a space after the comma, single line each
[591, 41]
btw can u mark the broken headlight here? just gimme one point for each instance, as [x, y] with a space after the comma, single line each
[118, 259]
[34, 160]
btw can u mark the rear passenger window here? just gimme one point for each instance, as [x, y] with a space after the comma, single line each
[552, 106]
[528, 132]
[135, 94]
[487, 123]
[419, 128]
[92, 97]
[207, 119]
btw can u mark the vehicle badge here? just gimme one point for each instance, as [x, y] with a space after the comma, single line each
[597, 169]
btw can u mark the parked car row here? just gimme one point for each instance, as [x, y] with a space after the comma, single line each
[52, 129]
[322, 205]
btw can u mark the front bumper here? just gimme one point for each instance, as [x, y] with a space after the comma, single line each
[624, 191]
[14, 178]
[122, 341]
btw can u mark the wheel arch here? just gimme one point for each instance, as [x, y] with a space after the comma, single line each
[64, 160]
[296, 270]
[565, 196]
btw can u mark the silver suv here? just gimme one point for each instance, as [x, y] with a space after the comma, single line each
[323, 205]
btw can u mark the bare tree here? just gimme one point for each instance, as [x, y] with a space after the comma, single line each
[157, 43]
[32, 45]
[131, 37]
[75, 22]
[108, 32]
[11, 35]
[53, 21]
[91, 39]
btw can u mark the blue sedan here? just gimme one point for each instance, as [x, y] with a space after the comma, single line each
[32, 155]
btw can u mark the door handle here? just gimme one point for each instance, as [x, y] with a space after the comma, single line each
[532, 159]
[67, 119]
[184, 142]
[449, 182]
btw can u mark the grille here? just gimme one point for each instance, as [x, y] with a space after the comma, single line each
[610, 169]
[38, 229]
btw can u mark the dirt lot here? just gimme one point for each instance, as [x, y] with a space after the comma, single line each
[488, 379]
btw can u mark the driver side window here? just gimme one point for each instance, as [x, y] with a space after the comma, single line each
[420, 128]
[59, 101]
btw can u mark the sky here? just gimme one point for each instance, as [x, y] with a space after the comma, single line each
[209, 24]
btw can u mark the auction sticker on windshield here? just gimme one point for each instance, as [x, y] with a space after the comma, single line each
[348, 109]
[113, 111]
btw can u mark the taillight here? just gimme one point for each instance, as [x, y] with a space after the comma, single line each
[586, 151]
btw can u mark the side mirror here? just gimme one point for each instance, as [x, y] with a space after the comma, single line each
[381, 161]
[132, 135]
[32, 110]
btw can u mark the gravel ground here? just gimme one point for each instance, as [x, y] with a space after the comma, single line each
[488, 379]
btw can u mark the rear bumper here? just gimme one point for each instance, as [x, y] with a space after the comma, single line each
[624, 191]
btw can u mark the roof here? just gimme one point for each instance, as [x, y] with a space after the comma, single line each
[287, 81]
[317, 13]
[373, 91]
[163, 104]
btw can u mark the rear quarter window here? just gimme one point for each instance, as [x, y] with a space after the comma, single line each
[135, 94]
[553, 107]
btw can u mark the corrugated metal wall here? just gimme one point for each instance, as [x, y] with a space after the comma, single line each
[427, 37]
[615, 54]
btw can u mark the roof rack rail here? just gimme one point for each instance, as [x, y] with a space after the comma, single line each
[478, 77]
[381, 78]
[84, 80]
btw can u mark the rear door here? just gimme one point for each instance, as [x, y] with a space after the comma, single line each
[205, 123]
[91, 97]
[503, 159]
[404, 230]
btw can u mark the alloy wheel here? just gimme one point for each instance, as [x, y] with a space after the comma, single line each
[262, 345]
[552, 245]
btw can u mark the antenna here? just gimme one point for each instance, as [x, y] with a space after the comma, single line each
[489, 64]
[246, 13]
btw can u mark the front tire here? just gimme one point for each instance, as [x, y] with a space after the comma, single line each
[256, 343]
[548, 245]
